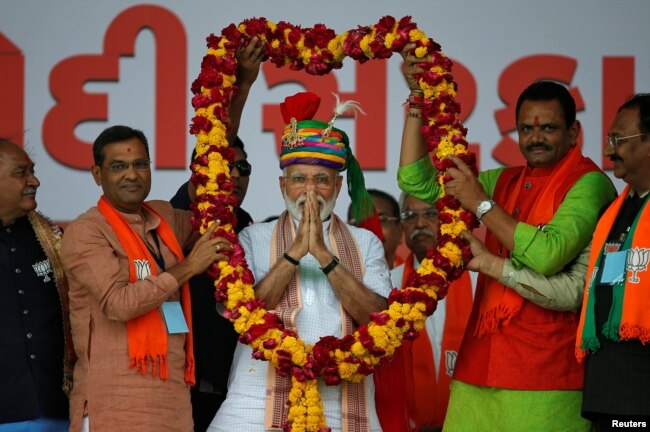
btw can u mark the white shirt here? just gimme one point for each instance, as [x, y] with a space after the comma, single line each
[435, 324]
[243, 409]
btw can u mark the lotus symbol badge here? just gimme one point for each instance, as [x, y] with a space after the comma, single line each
[637, 260]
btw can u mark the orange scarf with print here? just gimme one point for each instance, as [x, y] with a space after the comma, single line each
[409, 390]
[499, 304]
[147, 334]
[628, 316]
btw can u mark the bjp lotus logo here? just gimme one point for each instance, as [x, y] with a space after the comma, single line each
[637, 261]
[450, 361]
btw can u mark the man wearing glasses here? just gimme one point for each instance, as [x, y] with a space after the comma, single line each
[614, 326]
[516, 353]
[214, 336]
[129, 298]
[321, 276]
[428, 361]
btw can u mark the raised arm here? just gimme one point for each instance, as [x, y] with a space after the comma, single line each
[249, 59]
[413, 147]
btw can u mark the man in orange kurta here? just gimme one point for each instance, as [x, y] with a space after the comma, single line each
[123, 260]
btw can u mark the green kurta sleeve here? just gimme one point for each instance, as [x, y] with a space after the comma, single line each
[549, 249]
[419, 180]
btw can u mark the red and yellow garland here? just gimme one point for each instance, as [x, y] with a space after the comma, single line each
[318, 50]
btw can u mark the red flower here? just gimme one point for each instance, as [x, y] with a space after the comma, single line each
[200, 124]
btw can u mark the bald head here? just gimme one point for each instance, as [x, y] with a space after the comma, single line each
[18, 192]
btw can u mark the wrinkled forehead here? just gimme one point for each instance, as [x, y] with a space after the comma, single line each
[310, 170]
[11, 154]
[626, 122]
[412, 203]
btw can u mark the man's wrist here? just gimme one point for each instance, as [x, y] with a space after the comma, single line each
[291, 259]
[331, 265]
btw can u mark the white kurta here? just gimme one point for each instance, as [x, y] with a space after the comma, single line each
[243, 409]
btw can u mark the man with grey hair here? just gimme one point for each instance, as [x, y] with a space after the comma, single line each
[36, 363]
[429, 360]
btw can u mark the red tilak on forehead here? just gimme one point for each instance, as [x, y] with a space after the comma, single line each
[129, 148]
[536, 121]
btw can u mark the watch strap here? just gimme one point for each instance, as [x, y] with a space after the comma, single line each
[329, 267]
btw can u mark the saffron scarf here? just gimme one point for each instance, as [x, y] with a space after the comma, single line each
[628, 316]
[499, 304]
[147, 335]
[409, 390]
[427, 389]
[353, 405]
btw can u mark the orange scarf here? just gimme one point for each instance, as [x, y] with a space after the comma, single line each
[409, 386]
[628, 317]
[147, 335]
[499, 304]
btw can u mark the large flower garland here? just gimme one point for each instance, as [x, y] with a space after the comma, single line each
[318, 50]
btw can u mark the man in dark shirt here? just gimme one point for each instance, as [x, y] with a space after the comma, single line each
[35, 365]
[614, 329]
[214, 336]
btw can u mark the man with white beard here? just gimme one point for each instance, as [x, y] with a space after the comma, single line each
[319, 274]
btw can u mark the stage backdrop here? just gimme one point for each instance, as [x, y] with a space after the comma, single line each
[69, 69]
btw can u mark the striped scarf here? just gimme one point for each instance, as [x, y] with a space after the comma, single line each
[353, 405]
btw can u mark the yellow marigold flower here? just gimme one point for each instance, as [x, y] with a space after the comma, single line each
[365, 46]
[358, 349]
[414, 36]
[275, 43]
[336, 48]
[347, 369]
[420, 52]
[388, 40]
[301, 43]
[229, 80]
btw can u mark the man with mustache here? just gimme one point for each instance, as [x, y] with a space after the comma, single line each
[614, 326]
[427, 363]
[37, 356]
[319, 274]
[516, 363]
[129, 299]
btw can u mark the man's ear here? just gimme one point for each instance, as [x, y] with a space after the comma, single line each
[574, 132]
[95, 171]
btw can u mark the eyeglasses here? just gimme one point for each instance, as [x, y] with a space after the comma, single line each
[410, 216]
[615, 141]
[242, 166]
[384, 220]
[298, 181]
[138, 165]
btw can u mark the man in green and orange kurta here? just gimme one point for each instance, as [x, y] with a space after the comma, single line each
[516, 363]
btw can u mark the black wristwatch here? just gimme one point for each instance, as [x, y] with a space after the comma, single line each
[329, 267]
